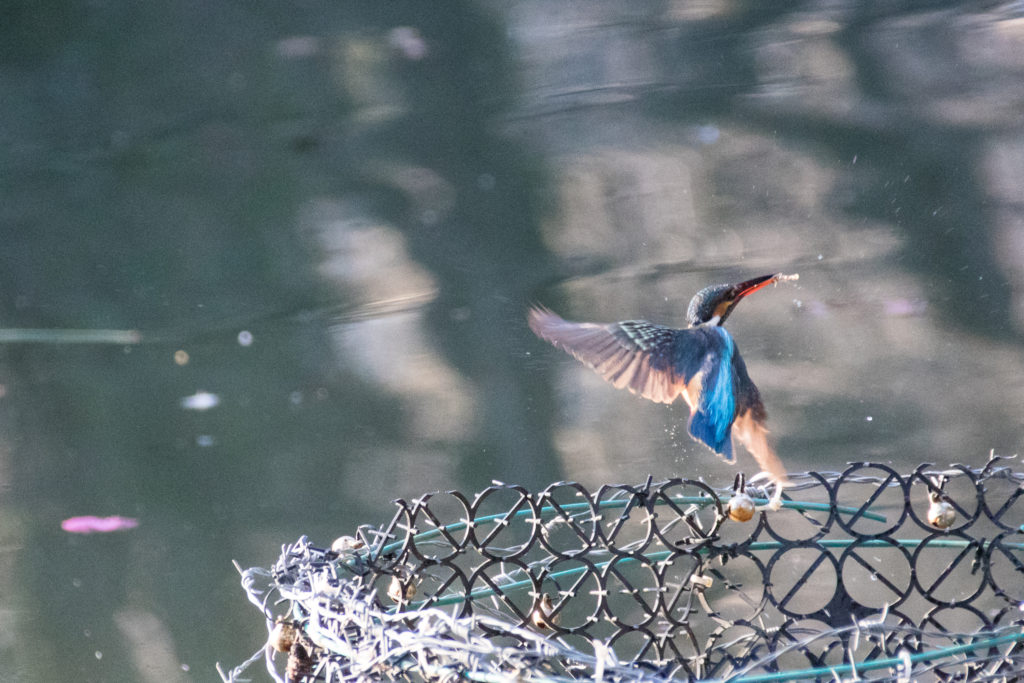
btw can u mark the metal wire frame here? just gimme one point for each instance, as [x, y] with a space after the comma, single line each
[863, 572]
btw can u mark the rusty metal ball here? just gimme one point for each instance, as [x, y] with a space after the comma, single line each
[542, 616]
[283, 635]
[345, 544]
[741, 507]
[400, 591]
[941, 513]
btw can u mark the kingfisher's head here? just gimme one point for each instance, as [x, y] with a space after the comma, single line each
[712, 305]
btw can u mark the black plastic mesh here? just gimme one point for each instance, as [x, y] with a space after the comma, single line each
[655, 581]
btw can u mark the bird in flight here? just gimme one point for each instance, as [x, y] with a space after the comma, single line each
[700, 363]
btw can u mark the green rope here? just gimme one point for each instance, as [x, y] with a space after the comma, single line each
[516, 585]
[818, 673]
[456, 598]
[887, 663]
[612, 504]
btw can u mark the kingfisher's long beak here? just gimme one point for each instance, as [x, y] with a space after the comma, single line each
[750, 286]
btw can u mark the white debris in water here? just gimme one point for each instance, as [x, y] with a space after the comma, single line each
[201, 400]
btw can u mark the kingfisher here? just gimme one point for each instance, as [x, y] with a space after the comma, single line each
[701, 363]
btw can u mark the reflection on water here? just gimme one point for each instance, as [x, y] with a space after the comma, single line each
[328, 223]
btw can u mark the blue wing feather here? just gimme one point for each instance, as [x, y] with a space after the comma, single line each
[660, 363]
[712, 418]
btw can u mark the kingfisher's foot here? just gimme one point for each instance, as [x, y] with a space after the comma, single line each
[775, 502]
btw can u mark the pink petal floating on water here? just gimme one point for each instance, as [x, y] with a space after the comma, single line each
[89, 524]
[904, 308]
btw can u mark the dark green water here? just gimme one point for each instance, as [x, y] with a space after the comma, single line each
[374, 194]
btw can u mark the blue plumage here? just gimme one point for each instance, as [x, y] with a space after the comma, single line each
[713, 416]
[700, 363]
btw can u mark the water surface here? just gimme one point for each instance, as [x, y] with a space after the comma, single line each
[326, 223]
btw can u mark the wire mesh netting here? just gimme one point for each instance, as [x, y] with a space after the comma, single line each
[865, 574]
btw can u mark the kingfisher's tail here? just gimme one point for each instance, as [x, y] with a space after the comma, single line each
[754, 436]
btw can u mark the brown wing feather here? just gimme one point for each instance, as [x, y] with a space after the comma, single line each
[622, 353]
[636, 355]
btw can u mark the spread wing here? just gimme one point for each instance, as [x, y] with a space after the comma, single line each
[661, 363]
[634, 354]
